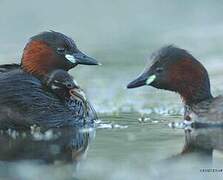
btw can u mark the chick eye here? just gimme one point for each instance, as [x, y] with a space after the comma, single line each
[159, 70]
[60, 50]
[69, 85]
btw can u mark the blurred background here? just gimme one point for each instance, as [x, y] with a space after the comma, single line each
[122, 34]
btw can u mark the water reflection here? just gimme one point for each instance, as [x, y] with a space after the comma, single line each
[64, 145]
[201, 137]
[207, 138]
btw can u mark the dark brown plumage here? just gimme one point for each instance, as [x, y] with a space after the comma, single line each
[24, 100]
[175, 69]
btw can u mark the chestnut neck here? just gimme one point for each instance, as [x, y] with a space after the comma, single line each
[196, 93]
[189, 78]
[38, 59]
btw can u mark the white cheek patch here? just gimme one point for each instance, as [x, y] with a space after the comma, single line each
[54, 87]
[71, 58]
[150, 79]
[75, 82]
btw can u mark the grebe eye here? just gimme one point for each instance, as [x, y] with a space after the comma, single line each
[69, 85]
[159, 70]
[61, 50]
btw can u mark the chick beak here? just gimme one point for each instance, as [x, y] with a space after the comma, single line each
[81, 58]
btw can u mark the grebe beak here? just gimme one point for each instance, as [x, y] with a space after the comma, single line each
[81, 58]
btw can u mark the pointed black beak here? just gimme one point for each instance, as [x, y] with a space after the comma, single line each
[142, 80]
[139, 81]
[81, 58]
[84, 59]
